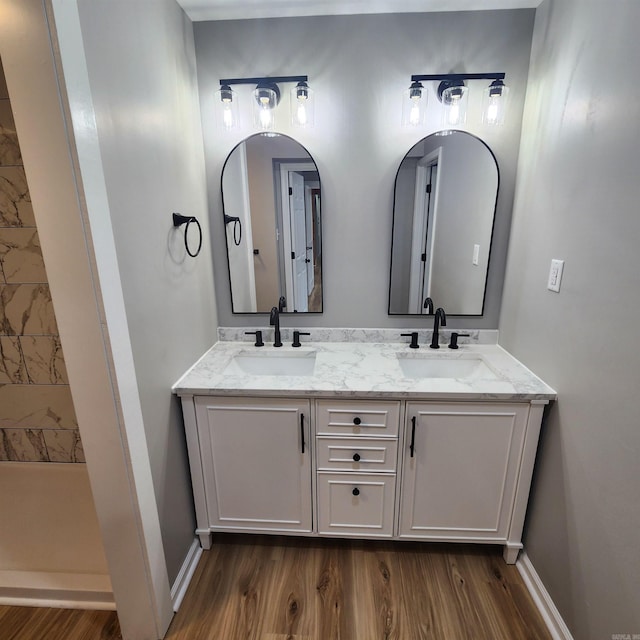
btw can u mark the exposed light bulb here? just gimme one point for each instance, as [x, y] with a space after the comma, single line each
[265, 116]
[414, 115]
[454, 112]
[301, 113]
[494, 101]
[492, 112]
[227, 116]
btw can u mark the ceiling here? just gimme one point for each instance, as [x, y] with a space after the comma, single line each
[244, 9]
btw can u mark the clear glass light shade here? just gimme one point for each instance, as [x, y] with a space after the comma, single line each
[414, 106]
[302, 106]
[454, 103]
[226, 106]
[264, 104]
[494, 103]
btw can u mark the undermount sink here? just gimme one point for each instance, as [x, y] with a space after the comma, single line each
[273, 364]
[433, 367]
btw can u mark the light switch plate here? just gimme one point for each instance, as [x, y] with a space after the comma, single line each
[555, 275]
[476, 254]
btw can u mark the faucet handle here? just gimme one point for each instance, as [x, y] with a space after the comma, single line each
[454, 339]
[258, 335]
[296, 338]
[414, 339]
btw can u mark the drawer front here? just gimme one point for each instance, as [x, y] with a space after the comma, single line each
[357, 417]
[368, 514]
[356, 454]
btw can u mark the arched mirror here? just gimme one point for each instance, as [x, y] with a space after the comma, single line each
[445, 198]
[272, 212]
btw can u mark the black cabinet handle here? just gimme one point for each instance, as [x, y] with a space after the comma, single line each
[356, 492]
[302, 430]
[357, 421]
[356, 457]
[412, 447]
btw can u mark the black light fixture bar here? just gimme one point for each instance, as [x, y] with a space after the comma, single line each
[458, 76]
[270, 79]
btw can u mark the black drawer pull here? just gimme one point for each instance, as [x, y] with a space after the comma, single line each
[357, 421]
[356, 492]
[356, 457]
[412, 447]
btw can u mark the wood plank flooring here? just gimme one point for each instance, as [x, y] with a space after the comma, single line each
[281, 588]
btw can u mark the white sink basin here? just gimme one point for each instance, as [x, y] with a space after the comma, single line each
[273, 364]
[431, 367]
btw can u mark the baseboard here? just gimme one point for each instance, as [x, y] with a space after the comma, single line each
[552, 618]
[185, 574]
[59, 590]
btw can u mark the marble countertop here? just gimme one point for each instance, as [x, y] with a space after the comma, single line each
[367, 370]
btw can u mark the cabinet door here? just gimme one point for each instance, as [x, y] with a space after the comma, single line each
[460, 480]
[256, 463]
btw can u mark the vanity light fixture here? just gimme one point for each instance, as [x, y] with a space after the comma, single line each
[226, 101]
[414, 105]
[453, 93]
[302, 105]
[266, 98]
[494, 102]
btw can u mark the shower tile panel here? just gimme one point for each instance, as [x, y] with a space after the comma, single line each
[9, 148]
[26, 309]
[21, 256]
[12, 368]
[36, 406]
[44, 360]
[15, 202]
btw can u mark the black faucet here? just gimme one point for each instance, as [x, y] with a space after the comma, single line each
[274, 321]
[428, 305]
[440, 318]
[282, 303]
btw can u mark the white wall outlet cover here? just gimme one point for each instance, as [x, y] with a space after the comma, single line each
[476, 254]
[555, 275]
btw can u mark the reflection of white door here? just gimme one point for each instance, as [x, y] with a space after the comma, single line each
[427, 264]
[298, 241]
[424, 223]
[309, 239]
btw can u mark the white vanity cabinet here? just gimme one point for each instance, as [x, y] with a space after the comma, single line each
[466, 471]
[363, 468]
[253, 462]
[357, 452]
[360, 448]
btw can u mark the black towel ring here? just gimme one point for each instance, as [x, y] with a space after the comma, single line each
[180, 220]
[237, 228]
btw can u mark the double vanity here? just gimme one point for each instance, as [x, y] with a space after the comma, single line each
[364, 439]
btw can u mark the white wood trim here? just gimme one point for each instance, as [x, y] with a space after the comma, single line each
[58, 590]
[541, 598]
[183, 579]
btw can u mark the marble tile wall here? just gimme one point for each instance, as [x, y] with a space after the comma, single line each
[37, 419]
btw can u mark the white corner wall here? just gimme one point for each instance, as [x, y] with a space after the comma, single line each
[577, 199]
[141, 67]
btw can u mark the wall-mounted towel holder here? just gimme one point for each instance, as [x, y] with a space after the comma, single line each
[179, 220]
[237, 228]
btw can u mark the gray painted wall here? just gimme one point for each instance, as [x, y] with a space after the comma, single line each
[577, 200]
[149, 132]
[359, 67]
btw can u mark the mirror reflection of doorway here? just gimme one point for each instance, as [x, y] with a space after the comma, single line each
[300, 268]
[424, 221]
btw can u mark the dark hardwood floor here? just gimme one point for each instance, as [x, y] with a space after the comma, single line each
[280, 588]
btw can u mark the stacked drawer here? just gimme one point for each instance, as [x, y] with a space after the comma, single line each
[357, 452]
